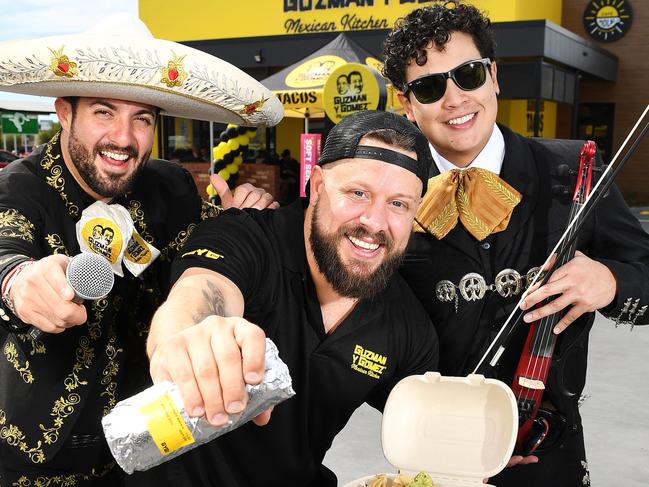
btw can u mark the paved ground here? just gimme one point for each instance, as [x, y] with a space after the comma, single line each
[615, 412]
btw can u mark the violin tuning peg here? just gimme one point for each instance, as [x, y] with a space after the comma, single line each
[565, 170]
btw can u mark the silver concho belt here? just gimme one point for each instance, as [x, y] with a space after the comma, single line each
[473, 287]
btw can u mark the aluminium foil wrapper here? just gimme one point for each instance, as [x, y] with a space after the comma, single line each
[152, 427]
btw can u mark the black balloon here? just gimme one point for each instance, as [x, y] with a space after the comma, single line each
[241, 130]
[228, 158]
[224, 136]
[219, 164]
[232, 132]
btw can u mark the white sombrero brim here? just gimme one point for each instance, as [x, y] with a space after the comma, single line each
[180, 80]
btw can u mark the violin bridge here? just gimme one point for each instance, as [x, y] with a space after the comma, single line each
[531, 383]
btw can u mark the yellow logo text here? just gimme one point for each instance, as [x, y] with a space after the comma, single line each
[367, 362]
[203, 253]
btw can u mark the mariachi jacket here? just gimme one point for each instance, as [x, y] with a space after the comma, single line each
[446, 274]
[55, 390]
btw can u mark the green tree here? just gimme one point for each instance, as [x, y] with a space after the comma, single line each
[45, 135]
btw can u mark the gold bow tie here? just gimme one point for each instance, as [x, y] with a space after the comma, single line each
[481, 200]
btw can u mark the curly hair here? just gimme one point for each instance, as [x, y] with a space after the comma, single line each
[416, 31]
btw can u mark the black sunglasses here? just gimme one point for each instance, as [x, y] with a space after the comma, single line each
[467, 76]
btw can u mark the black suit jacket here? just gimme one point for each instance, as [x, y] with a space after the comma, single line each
[612, 235]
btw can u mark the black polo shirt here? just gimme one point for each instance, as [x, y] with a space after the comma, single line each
[382, 340]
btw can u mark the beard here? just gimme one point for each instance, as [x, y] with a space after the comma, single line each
[353, 280]
[109, 185]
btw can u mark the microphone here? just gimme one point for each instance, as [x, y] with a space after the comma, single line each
[91, 277]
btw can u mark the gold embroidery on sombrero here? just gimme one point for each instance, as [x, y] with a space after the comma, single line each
[55, 179]
[125, 65]
[209, 210]
[174, 73]
[69, 480]
[11, 353]
[251, 108]
[56, 244]
[61, 65]
[15, 224]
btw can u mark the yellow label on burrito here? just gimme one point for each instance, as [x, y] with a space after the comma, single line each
[165, 424]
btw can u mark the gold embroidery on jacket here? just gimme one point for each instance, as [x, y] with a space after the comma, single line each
[175, 245]
[38, 346]
[94, 327]
[56, 244]
[64, 480]
[209, 210]
[14, 437]
[11, 352]
[109, 373]
[182, 237]
[63, 407]
[15, 224]
[55, 179]
[84, 355]
[135, 210]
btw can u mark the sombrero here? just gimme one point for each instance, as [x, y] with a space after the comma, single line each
[119, 58]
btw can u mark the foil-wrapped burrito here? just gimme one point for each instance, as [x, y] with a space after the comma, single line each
[152, 427]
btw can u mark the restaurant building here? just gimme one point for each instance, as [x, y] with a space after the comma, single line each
[566, 69]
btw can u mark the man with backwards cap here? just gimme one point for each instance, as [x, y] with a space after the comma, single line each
[319, 281]
[111, 86]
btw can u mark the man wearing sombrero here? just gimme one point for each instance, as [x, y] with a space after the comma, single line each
[95, 176]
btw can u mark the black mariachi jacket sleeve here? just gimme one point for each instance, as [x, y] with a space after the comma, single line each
[446, 274]
[56, 389]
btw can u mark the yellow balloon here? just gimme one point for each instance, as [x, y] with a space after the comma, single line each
[238, 160]
[220, 150]
[232, 168]
[224, 173]
[210, 190]
[244, 140]
[233, 144]
[230, 125]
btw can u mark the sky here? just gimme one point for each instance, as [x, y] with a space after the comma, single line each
[28, 19]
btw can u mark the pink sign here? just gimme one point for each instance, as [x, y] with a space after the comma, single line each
[309, 154]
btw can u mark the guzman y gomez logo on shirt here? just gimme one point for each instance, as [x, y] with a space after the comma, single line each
[368, 362]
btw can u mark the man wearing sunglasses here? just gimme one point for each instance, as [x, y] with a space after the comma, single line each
[489, 220]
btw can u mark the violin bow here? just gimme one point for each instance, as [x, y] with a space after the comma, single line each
[570, 234]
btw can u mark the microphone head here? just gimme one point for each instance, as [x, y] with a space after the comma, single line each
[90, 275]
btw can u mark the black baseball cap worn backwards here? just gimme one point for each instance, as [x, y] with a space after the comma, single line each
[343, 142]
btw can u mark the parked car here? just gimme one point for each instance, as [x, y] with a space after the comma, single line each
[6, 157]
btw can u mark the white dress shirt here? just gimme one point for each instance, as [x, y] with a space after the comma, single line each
[490, 158]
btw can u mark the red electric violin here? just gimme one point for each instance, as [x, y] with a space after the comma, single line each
[537, 423]
[534, 365]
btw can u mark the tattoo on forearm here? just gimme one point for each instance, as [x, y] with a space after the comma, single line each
[212, 303]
